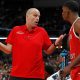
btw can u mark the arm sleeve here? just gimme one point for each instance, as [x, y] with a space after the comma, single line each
[10, 37]
[47, 42]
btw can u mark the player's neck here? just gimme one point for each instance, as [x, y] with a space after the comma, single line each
[73, 19]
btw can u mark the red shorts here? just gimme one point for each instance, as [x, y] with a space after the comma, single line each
[75, 73]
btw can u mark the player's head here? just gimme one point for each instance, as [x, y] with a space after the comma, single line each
[70, 7]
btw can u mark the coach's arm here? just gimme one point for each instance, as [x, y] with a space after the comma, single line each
[6, 48]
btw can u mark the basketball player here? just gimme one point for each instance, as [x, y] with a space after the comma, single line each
[70, 14]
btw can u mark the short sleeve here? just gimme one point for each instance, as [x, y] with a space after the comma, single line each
[47, 42]
[10, 37]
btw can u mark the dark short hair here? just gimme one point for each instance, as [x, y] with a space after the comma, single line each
[72, 5]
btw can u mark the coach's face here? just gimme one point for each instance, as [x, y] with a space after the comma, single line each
[65, 13]
[33, 17]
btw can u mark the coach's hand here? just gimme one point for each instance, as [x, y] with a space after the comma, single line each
[59, 40]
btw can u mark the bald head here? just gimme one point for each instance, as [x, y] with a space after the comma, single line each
[31, 10]
[32, 17]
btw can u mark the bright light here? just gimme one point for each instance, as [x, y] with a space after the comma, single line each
[52, 38]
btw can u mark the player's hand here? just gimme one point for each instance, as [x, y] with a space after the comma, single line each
[65, 71]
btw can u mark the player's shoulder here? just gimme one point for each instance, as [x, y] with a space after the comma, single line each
[77, 26]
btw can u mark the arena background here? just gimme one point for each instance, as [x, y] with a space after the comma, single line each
[12, 13]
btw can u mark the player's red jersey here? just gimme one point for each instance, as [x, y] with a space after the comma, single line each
[74, 43]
